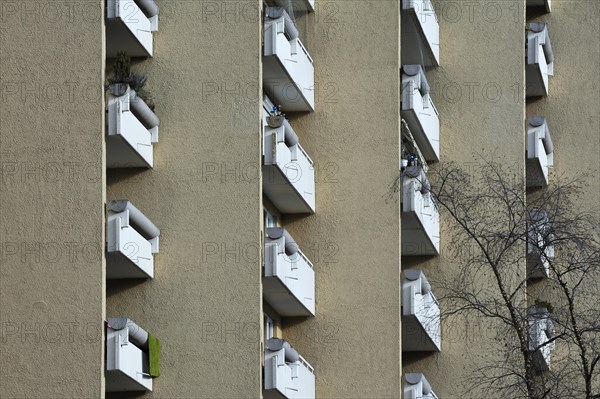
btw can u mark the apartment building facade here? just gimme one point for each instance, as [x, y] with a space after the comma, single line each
[242, 213]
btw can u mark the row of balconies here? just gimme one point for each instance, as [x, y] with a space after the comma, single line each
[540, 157]
[420, 219]
[132, 354]
[289, 184]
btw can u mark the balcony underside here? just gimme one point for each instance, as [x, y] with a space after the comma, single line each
[121, 154]
[282, 300]
[544, 5]
[282, 90]
[537, 81]
[120, 38]
[414, 336]
[300, 5]
[535, 266]
[418, 126]
[282, 193]
[118, 266]
[415, 240]
[415, 47]
[117, 381]
[535, 174]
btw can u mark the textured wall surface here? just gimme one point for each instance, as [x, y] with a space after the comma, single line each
[478, 91]
[204, 303]
[353, 239]
[51, 199]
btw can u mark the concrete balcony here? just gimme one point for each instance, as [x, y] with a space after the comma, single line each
[540, 60]
[540, 245]
[421, 326]
[288, 171]
[420, 218]
[289, 277]
[132, 130]
[288, 71]
[129, 27]
[540, 152]
[541, 331]
[419, 112]
[417, 387]
[420, 33]
[127, 356]
[543, 5]
[132, 241]
[287, 374]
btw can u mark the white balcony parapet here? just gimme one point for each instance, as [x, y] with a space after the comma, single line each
[420, 217]
[287, 374]
[419, 112]
[420, 33]
[421, 326]
[540, 60]
[289, 277]
[545, 5]
[127, 356]
[132, 130]
[540, 152]
[129, 27]
[540, 246]
[541, 332]
[288, 171]
[132, 241]
[417, 387]
[289, 74]
[301, 5]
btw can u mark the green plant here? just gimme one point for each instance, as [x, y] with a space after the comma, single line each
[122, 74]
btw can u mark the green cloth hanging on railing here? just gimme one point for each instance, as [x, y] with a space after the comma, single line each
[154, 355]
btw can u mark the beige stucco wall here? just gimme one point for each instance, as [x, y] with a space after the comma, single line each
[51, 199]
[204, 303]
[353, 239]
[478, 91]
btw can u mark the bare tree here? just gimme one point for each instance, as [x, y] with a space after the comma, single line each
[515, 248]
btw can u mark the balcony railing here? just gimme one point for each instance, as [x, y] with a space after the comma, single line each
[540, 152]
[289, 277]
[545, 5]
[421, 328]
[129, 27]
[541, 332]
[419, 112]
[420, 33]
[540, 246]
[288, 171]
[132, 130]
[287, 374]
[132, 241]
[417, 387]
[540, 60]
[289, 75]
[420, 218]
[132, 356]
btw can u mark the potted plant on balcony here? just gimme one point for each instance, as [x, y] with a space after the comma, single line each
[123, 77]
[276, 117]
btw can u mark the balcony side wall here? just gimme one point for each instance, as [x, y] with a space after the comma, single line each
[51, 199]
[353, 239]
[204, 193]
